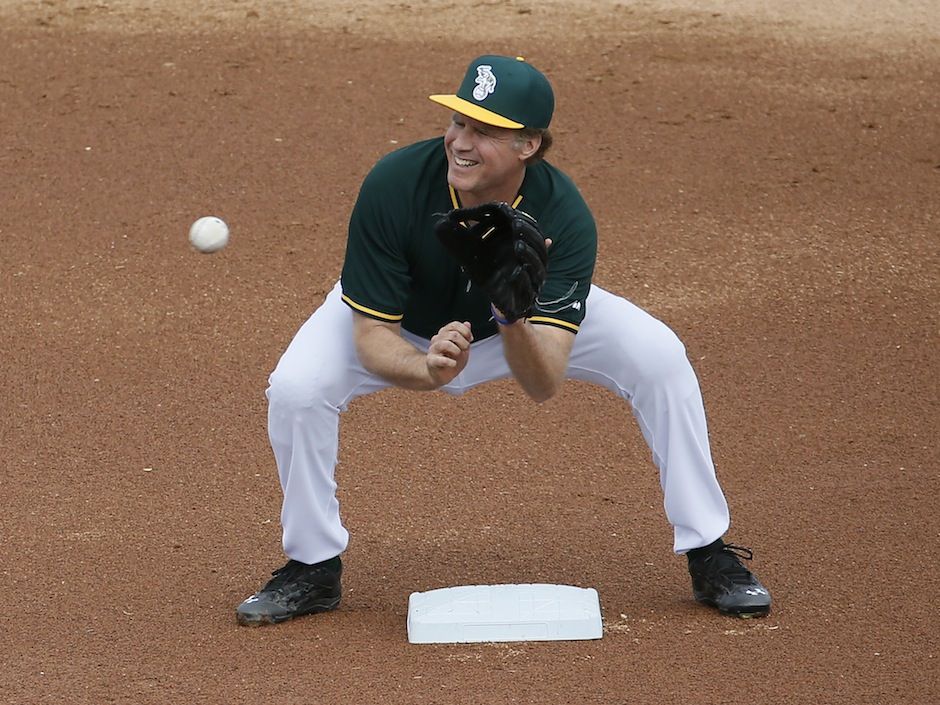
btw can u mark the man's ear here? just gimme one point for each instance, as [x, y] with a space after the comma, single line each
[529, 146]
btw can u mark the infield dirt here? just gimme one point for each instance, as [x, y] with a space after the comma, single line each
[765, 177]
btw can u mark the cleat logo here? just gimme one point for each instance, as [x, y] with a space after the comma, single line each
[253, 598]
[756, 591]
[485, 80]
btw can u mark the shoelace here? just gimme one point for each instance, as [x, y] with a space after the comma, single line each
[739, 551]
[283, 574]
[727, 561]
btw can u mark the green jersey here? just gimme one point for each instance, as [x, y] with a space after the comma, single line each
[396, 270]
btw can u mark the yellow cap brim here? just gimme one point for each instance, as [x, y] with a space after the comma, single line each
[472, 110]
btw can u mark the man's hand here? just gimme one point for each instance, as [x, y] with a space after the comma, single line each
[449, 352]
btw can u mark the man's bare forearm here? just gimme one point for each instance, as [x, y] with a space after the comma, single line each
[538, 357]
[385, 353]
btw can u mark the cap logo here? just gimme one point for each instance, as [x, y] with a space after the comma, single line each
[485, 80]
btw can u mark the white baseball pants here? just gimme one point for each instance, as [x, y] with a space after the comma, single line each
[619, 346]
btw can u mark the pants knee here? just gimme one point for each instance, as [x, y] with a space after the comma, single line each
[301, 388]
[664, 361]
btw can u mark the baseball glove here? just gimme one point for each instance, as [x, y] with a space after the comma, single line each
[501, 250]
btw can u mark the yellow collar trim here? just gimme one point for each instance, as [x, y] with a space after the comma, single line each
[456, 201]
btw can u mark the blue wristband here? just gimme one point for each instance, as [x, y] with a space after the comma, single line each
[501, 321]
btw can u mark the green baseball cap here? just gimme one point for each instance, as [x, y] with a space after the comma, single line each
[503, 91]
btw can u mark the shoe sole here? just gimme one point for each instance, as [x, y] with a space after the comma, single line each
[746, 614]
[743, 613]
[259, 620]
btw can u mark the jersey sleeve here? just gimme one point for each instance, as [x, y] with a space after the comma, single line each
[375, 277]
[571, 258]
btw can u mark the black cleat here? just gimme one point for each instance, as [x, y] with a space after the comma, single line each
[720, 580]
[296, 589]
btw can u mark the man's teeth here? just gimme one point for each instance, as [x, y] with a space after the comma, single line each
[463, 162]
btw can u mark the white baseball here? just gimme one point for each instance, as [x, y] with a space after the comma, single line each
[209, 234]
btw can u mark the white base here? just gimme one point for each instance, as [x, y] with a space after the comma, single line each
[487, 613]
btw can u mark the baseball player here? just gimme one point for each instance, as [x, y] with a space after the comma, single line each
[469, 259]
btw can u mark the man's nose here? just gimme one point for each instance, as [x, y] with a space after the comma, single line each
[462, 140]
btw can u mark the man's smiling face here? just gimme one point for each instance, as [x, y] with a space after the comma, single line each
[484, 163]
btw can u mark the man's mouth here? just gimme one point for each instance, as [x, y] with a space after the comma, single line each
[464, 162]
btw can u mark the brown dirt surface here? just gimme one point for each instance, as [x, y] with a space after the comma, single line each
[766, 180]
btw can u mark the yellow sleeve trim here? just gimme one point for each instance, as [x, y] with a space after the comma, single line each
[554, 322]
[371, 311]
